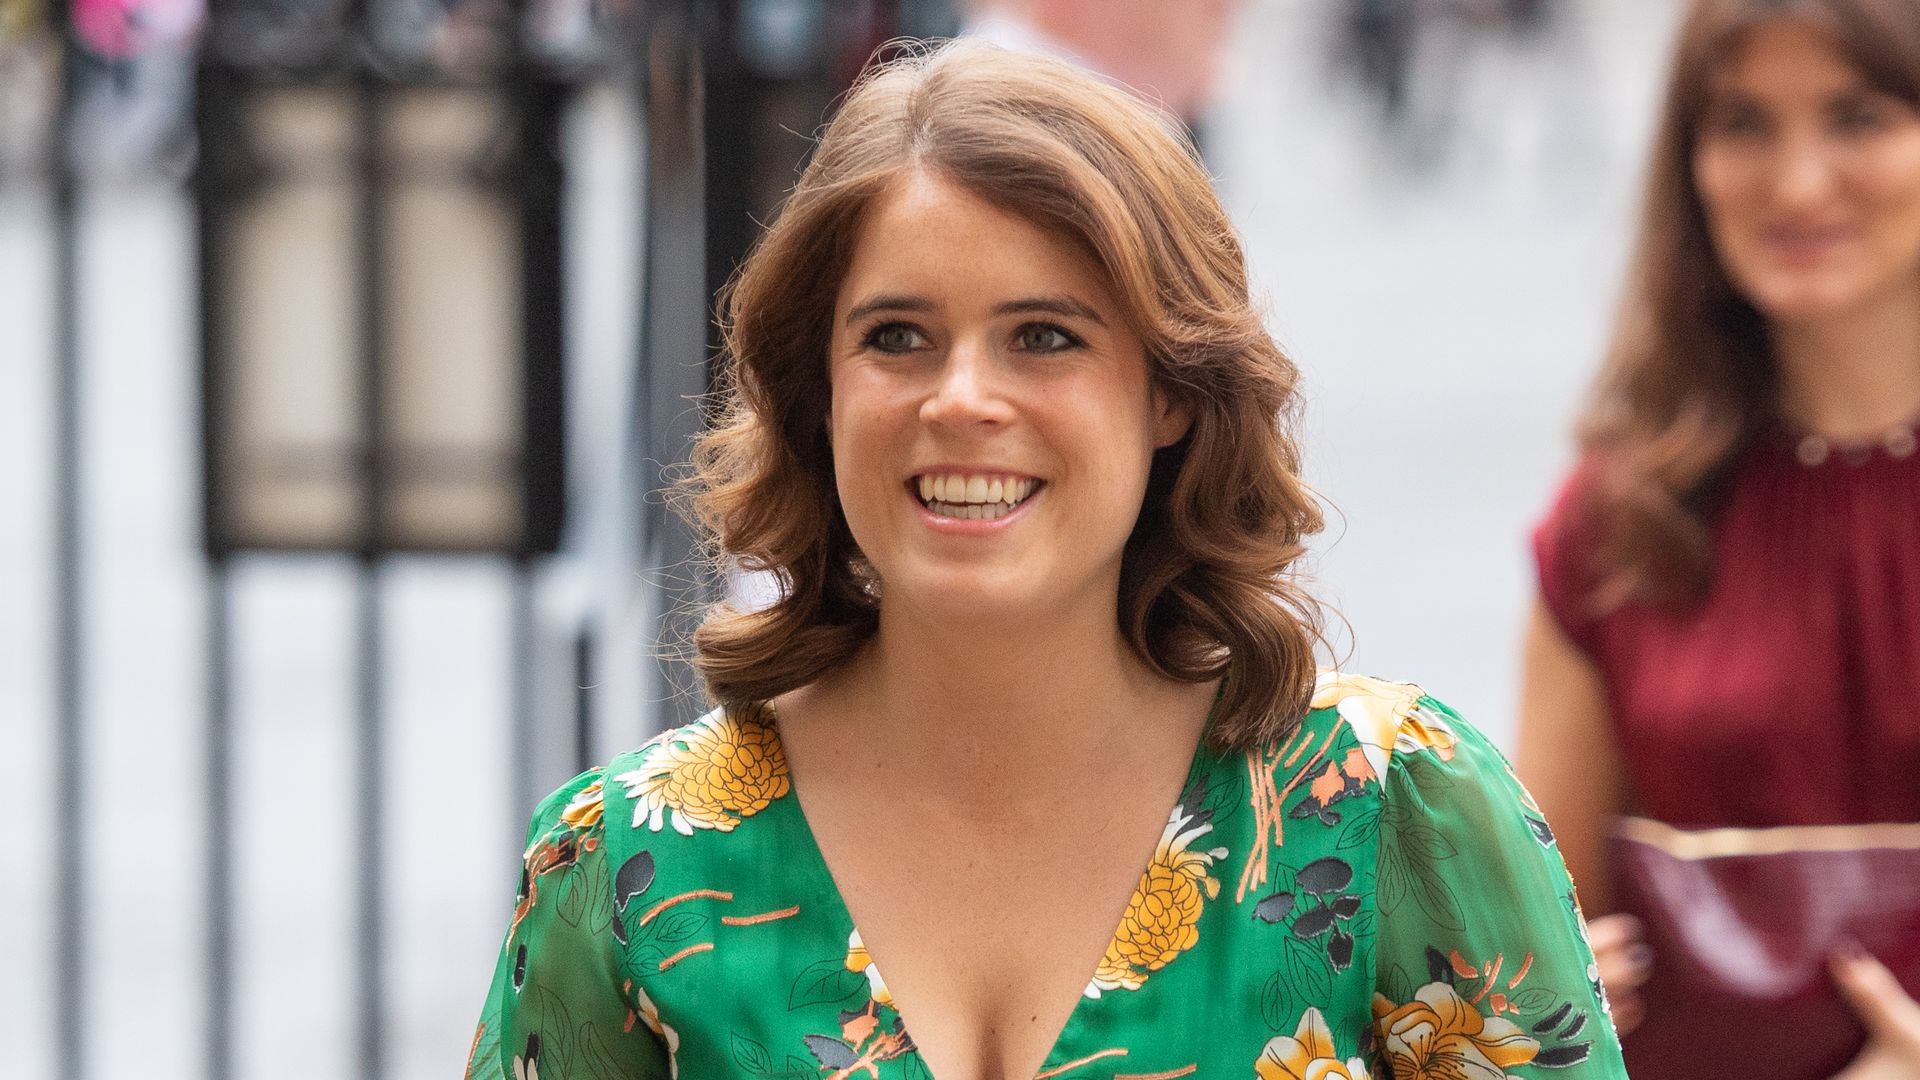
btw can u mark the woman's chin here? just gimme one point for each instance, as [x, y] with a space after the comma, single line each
[1808, 300]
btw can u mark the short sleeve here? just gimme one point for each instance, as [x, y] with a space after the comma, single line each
[559, 1008]
[1483, 967]
[1564, 544]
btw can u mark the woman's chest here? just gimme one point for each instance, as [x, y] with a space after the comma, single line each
[1007, 959]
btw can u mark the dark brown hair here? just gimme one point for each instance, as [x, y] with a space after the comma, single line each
[1207, 588]
[1690, 378]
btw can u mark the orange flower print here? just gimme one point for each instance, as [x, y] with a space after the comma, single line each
[1307, 1054]
[1386, 717]
[710, 774]
[1163, 915]
[1439, 1036]
[1328, 784]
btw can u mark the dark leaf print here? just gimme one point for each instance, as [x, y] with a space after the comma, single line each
[644, 960]
[598, 1056]
[1426, 773]
[1362, 924]
[553, 1043]
[1322, 876]
[619, 928]
[679, 926]
[1361, 830]
[1399, 985]
[1436, 898]
[635, 877]
[830, 1051]
[1346, 906]
[1439, 968]
[1561, 1057]
[1224, 796]
[1532, 999]
[1574, 1026]
[1559, 1016]
[1340, 950]
[1542, 832]
[573, 899]
[750, 1055]
[520, 967]
[1276, 1003]
[1393, 876]
[485, 1060]
[599, 897]
[1427, 841]
[1308, 968]
[1312, 924]
[824, 982]
[1274, 908]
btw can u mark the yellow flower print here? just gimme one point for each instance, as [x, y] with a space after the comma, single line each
[1163, 915]
[859, 959]
[711, 774]
[1439, 1036]
[1307, 1054]
[585, 810]
[1385, 717]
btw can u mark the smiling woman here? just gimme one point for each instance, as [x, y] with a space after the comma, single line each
[1034, 724]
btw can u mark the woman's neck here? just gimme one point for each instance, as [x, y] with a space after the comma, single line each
[1856, 375]
[985, 713]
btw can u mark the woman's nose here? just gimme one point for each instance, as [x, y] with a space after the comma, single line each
[968, 389]
[1804, 171]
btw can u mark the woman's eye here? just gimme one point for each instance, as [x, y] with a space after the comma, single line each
[1738, 121]
[1854, 117]
[1041, 338]
[895, 338]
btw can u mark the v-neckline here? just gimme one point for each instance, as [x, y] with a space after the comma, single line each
[847, 928]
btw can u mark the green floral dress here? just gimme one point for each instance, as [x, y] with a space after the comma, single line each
[1377, 896]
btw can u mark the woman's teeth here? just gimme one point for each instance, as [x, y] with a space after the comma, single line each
[974, 498]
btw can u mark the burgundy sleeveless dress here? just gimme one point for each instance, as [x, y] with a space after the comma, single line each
[1792, 696]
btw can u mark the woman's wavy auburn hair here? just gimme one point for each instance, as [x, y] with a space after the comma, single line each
[1690, 378]
[1208, 587]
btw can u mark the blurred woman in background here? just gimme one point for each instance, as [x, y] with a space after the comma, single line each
[1728, 628]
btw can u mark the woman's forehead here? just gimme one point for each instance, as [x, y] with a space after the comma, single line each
[930, 237]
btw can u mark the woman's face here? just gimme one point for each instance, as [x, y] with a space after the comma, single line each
[1810, 177]
[993, 420]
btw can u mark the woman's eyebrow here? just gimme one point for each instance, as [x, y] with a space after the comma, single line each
[889, 302]
[1051, 305]
[1065, 306]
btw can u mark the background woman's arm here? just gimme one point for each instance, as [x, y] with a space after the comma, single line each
[1570, 760]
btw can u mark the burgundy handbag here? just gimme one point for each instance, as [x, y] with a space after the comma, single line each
[1741, 922]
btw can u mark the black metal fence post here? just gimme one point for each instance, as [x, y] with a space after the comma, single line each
[70, 899]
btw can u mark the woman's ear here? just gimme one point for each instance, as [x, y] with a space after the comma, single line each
[1172, 418]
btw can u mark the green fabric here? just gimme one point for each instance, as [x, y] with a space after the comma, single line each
[1302, 918]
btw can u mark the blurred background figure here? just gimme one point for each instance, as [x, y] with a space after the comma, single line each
[346, 345]
[1170, 53]
[1728, 631]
